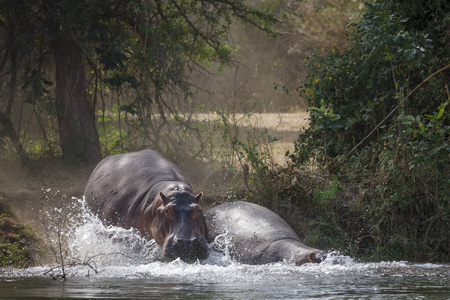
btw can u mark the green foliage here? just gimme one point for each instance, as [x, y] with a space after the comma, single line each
[15, 240]
[349, 92]
[384, 141]
[161, 55]
[47, 148]
[329, 193]
[146, 52]
[112, 136]
[15, 255]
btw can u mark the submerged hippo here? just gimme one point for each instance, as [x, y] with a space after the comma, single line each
[145, 191]
[258, 235]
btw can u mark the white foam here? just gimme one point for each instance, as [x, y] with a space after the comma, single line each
[103, 251]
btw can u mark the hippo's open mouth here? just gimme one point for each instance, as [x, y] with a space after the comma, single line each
[188, 250]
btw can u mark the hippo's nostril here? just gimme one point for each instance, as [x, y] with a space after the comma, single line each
[185, 242]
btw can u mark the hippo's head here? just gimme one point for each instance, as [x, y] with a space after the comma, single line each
[179, 226]
[317, 256]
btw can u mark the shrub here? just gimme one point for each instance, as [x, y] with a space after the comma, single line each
[380, 128]
[15, 240]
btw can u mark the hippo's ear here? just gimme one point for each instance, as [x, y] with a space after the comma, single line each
[164, 198]
[199, 196]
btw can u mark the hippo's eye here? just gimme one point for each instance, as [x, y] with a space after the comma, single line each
[167, 213]
[163, 211]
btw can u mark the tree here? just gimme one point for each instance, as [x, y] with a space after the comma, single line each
[380, 128]
[10, 58]
[394, 48]
[144, 49]
[77, 132]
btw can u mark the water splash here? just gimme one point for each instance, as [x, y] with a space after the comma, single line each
[115, 253]
[92, 241]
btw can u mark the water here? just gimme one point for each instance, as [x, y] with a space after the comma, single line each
[339, 277]
[113, 263]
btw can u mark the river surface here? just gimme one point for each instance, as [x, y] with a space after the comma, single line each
[113, 263]
[336, 278]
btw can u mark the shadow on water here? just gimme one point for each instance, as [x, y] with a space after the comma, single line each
[122, 265]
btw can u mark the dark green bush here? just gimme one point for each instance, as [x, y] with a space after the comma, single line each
[384, 141]
[350, 92]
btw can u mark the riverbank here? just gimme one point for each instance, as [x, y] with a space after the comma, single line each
[23, 198]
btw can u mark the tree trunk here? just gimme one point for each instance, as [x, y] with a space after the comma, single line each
[77, 131]
[5, 118]
[8, 126]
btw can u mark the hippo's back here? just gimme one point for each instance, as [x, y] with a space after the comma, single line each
[248, 221]
[120, 183]
[255, 231]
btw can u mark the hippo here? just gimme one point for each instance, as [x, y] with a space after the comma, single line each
[258, 235]
[145, 191]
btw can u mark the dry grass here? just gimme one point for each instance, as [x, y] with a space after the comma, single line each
[285, 127]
